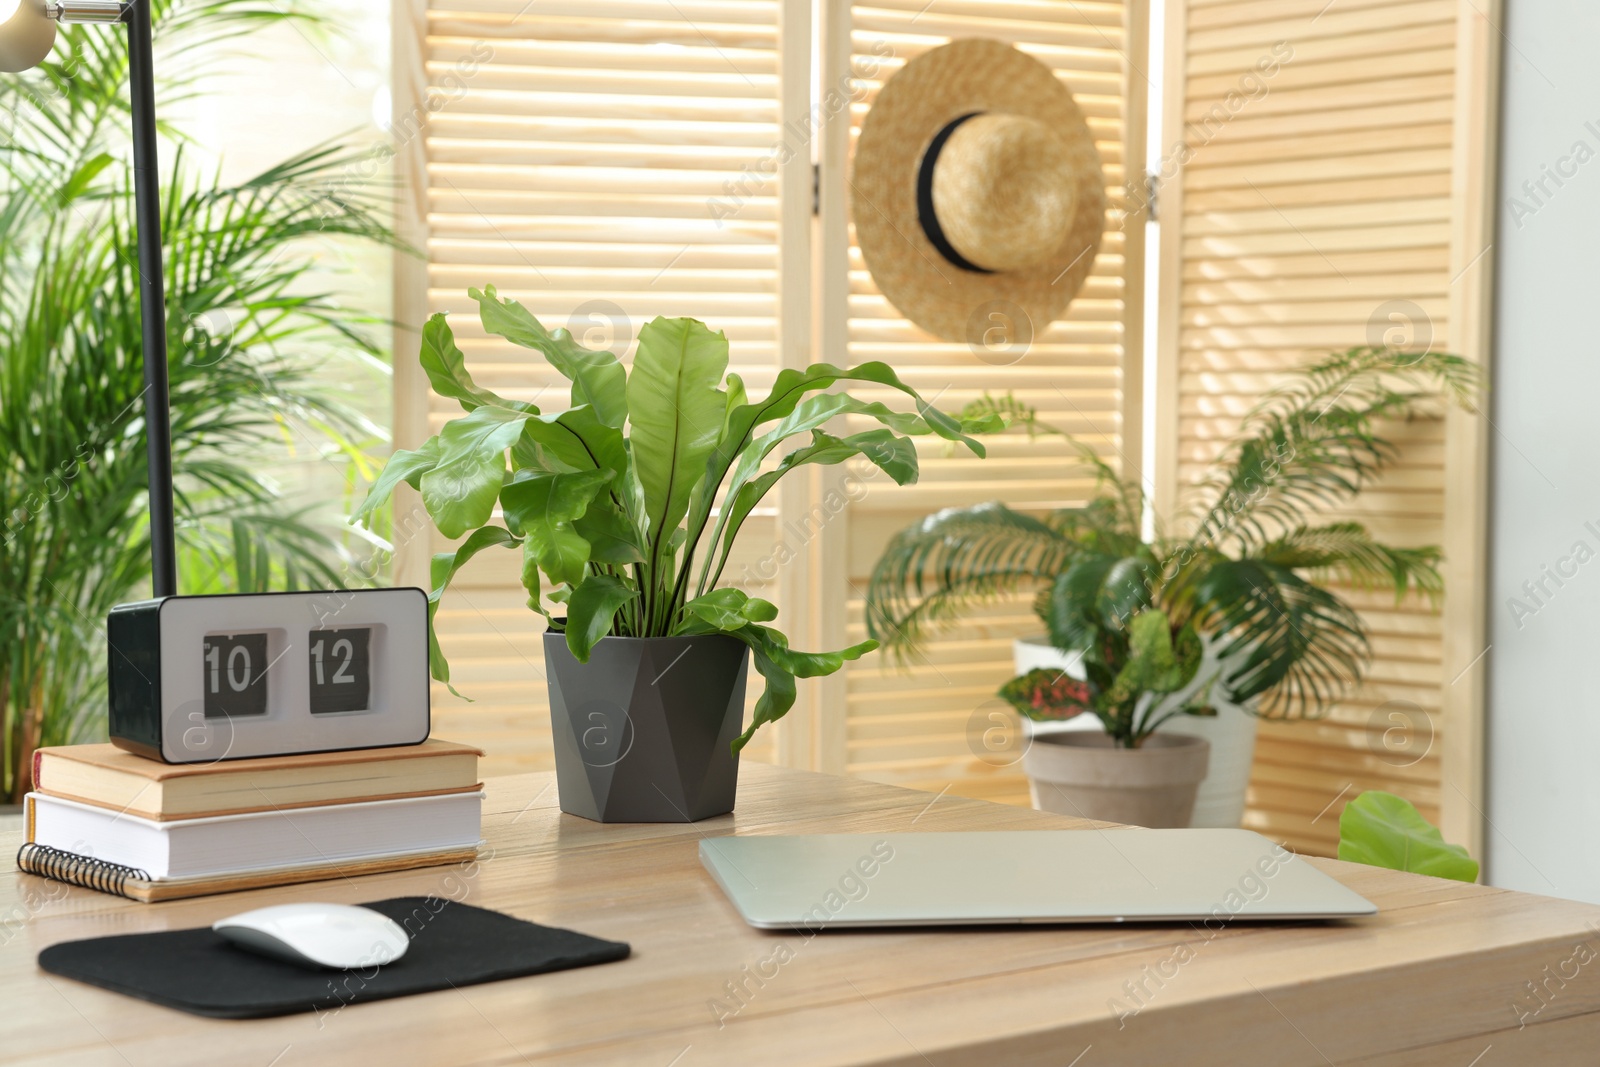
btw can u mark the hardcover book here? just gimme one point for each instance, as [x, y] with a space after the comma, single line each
[105, 776]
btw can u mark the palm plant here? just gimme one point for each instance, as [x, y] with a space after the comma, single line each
[1250, 578]
[246, 338]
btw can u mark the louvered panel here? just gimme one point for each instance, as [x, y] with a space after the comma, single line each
[923, 725]
[1317, 220]
[1311, 264]
[1287, 294]
[1375, 24]
[1425, 104]
[1329, 75]
[1286, 109]
[574, 163]
[916, 726]
[1305, 311]
[1211, 14]
[1303, 211]
[1355, 164]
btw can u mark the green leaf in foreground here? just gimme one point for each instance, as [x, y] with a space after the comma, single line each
[597, 378]
[460, 492]
[443, 569]
[542, 507]
[676, 411]
[595, 602]
[446, 369]
[1383, 830]
[726, 609]
[403, 466]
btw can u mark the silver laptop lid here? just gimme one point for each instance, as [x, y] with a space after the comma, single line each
[1027, 876]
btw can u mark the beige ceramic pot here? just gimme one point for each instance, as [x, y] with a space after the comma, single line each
[1084, 774]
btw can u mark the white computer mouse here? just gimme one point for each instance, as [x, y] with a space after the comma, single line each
[341, 936]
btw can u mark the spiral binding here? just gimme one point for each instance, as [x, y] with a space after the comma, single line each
[84, 871]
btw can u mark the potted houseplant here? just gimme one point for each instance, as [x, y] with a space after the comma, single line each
[625, 506]
[1237, 614]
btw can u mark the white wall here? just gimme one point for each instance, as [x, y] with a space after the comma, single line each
[1544, 661]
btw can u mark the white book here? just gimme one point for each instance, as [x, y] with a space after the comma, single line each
[260, 840]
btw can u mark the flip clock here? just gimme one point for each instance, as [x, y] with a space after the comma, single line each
[196, 679]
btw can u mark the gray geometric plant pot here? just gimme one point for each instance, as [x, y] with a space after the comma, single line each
[643, 730]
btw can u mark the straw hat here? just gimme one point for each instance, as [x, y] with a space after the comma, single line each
[978, 195]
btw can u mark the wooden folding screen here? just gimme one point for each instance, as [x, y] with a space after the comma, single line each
[1321, 189]
[608, 160]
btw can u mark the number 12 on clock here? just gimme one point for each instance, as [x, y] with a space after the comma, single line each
[340, 669]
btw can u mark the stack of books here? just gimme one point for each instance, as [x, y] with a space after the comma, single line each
[107, 819]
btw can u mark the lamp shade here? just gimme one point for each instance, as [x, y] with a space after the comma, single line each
[26, 34]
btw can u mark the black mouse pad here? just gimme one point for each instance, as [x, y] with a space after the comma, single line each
[199, 972]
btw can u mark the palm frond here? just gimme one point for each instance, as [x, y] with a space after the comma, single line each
[1315, 442]
[1284, 638]
[1125, 492]
[953, 560]
[1345, 552]
[263, 550]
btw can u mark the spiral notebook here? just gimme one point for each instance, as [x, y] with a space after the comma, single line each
[134, 884]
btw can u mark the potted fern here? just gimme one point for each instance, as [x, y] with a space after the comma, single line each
[1235, 618]
[625, 506]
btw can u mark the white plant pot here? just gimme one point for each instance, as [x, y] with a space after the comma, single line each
[1231, 732]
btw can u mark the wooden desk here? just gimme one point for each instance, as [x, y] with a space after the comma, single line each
[1438, 977]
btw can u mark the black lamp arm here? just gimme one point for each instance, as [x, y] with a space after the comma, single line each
[152, 296]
